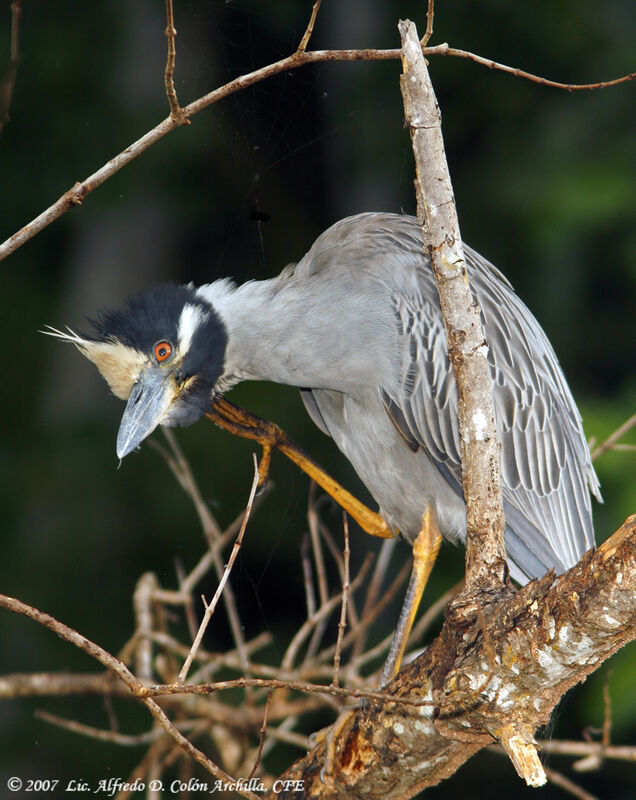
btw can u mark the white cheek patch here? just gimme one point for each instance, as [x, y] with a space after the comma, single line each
[192, 317]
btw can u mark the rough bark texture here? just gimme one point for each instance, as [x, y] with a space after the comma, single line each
[467, 347]
[481, 680]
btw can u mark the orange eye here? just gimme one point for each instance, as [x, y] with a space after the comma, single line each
[162, 351]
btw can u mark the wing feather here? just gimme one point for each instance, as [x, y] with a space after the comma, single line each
[546, 466]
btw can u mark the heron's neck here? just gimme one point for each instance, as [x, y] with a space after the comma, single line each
[306, 333]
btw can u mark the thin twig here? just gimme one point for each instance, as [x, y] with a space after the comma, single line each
[209, 609]
[321, 572]
[188, 607]
[142, 604]
[8, 83]
[430, 14]
[261, 736]
[180, 467]
[78, 193]
[520, 73]
[594, 761]
[305, 629]
[176, 112]
[371, 597]
[342, 623]
[123, 673]
[310, 595]
[614, 437]
[310, 28]
[576, 749]
[122, 739]
[560, 780]
[169, 689]
[326, 537]
[371, 616]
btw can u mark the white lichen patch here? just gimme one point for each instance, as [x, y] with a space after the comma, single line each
[423, 728]
[611, 621]
[480, 425]
[585, 648]
[504, 693]
[430, 763]
[428, 710]
[564, 635]
[476, 682]
[398, 728]
[619, 577]
[552, 667]
[551, 627]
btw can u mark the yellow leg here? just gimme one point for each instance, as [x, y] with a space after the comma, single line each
[243, 423]
[425, 549]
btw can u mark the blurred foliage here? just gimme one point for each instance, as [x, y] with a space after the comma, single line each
[545, 186]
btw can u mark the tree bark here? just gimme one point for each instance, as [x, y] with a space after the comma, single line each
[479, 681]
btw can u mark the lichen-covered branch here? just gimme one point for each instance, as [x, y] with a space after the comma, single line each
[483, 678]
[467, 346]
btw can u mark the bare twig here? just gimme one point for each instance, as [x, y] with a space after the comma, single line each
[563, 782]
[611, 440]
[310, 595]
[261, 736]
[310, 27]
[430, 15]
[8, 82]
[169, 689]
[176, 112]
[209, 609]
[122, 739]
[123, 673]
[321, 572]
[142, 602]
[369, 617]
[181, 470]
[594, 760]
[586, 749]
[325, 609]
[371, 597]
[77, 194]
[342, 623]
[520, 73]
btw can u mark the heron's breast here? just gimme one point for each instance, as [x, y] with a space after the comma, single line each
[402, 482]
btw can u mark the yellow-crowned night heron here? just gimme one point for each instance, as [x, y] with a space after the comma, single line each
[356, 325]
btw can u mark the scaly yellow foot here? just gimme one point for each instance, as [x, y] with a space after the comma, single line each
[243, 423]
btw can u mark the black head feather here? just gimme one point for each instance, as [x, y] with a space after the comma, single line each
[154, 315]
[147, 317]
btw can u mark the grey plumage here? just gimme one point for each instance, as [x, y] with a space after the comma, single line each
[357, 326]
[546, 467]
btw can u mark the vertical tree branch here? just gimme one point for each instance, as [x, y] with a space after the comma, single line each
[176, 112]
[468, 351]
[8, 82]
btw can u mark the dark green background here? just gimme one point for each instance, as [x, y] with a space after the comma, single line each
[545, 183]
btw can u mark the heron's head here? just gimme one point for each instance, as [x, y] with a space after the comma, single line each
[163, 353]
